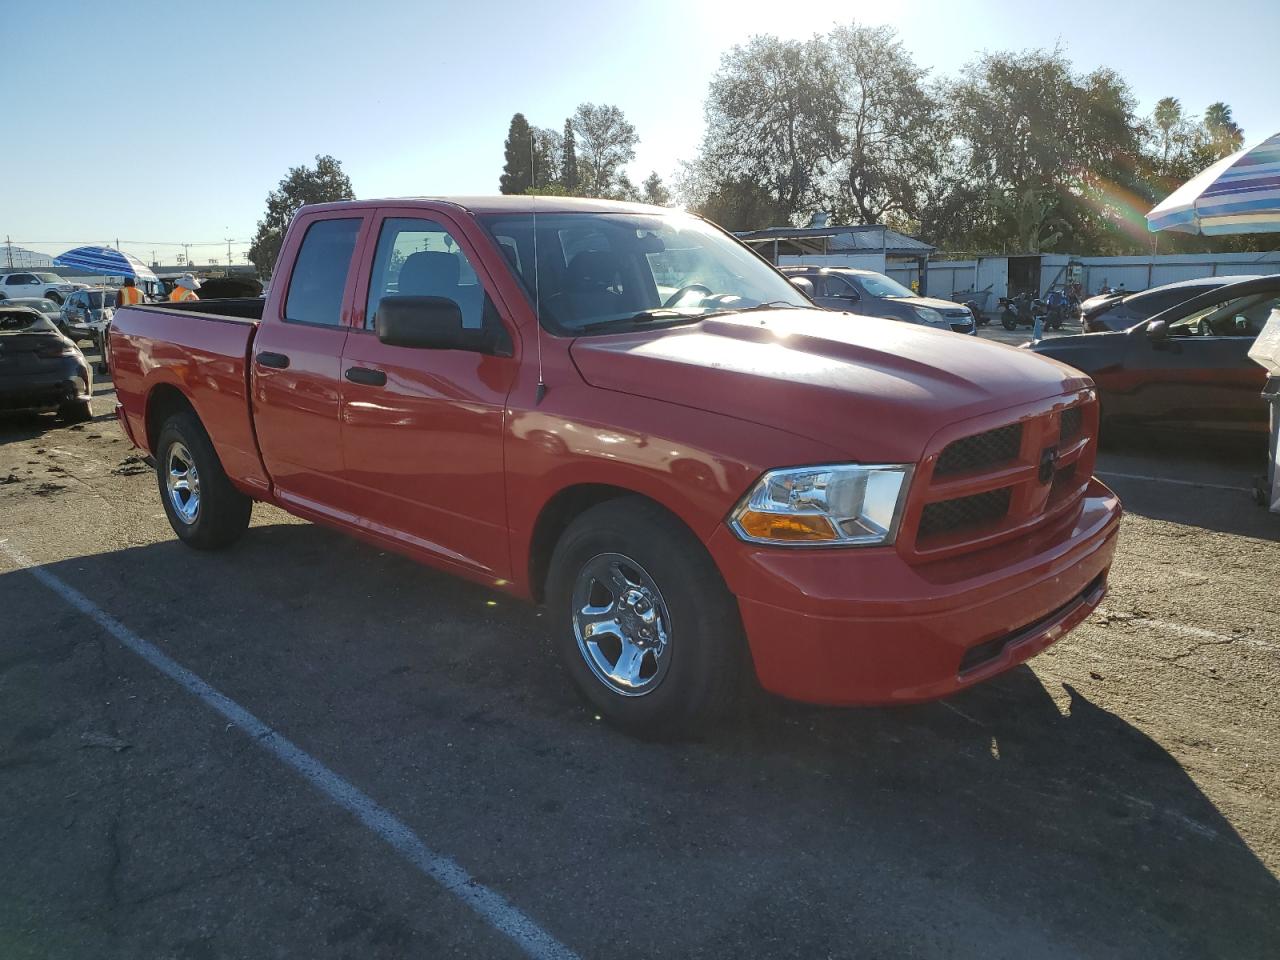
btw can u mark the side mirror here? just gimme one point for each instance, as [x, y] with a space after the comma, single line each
[428, 323]
[1158, 330]
[803, 284]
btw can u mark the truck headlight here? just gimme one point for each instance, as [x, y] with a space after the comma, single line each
[842, 505]
[928, 314]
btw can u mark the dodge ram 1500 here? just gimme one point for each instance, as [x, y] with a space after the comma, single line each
[622, 412]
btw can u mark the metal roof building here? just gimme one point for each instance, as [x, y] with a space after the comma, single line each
[869, 247]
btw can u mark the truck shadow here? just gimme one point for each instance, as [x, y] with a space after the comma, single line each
[997, 824]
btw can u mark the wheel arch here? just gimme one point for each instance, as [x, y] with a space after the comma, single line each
[565, 506]
[163, 401]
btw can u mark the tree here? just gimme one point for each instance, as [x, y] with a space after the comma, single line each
[1224, 133]
[1060, 148]
[323, 183]
[887, 141]
[569, 178]
[548, 156]
[1168, 119]
[607, 142]
[772, 119]
[654, 191]
[736, 204]
[517, 172]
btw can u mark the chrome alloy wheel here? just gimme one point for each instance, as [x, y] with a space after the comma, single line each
[622, 624]
[182, 482]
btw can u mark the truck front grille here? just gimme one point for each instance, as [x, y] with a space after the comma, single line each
[995, 483]
[980, 451]
[979, 509]
[1072, 420]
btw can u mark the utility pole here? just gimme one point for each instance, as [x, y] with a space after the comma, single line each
[186, 254]
[9, 248]
[229, 260]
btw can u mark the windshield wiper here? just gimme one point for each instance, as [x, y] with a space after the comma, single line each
[769, 305]
[644, 316]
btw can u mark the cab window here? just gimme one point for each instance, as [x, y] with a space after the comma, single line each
[417, 257]
[319, 275]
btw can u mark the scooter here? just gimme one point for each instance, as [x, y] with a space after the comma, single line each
[1020, 311]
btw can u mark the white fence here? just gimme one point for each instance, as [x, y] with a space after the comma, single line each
[949, 277]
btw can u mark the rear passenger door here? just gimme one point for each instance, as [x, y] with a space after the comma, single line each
[296, 367]
[422, 428]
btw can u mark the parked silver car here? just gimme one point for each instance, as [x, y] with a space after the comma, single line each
[86, 313]
[874, 294]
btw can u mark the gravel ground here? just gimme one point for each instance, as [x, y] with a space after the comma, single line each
[1115, 798]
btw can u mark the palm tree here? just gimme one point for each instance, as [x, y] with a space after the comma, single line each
[1225, 132]
[1168, 114]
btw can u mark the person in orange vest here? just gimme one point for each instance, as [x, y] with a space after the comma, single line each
[128, 295]
[185, 289]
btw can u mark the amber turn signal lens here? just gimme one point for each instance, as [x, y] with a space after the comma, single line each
[787, 528]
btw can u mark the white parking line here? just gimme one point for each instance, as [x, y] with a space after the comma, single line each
[492, 907]
[1181, 483]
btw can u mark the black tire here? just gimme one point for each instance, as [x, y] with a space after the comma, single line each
[705, 645]
[1008, 322]
[223, 512]
[78, 411]
[55, 296]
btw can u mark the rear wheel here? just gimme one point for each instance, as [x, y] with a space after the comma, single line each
[55, 296]
[1009, 322]
[643, 621]
[204, 509]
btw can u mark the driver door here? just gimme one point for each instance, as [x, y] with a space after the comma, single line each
[1200, 375]
[421, 427]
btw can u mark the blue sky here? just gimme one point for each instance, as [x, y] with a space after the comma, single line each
[415, 98]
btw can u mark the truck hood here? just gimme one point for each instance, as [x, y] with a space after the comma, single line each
[876, 390]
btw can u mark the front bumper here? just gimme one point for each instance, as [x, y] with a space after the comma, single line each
[865, 627]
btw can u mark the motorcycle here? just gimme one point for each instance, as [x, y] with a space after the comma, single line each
[1021, 311]
[1059, 308]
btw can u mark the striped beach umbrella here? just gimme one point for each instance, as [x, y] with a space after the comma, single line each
[106, 261]
[1238, 194]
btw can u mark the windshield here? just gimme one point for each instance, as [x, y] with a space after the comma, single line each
[878, 285]
[597, 271]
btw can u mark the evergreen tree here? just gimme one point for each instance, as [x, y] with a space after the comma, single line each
[517, 172]
[569, 171]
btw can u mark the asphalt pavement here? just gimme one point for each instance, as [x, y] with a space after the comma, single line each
[304, 747]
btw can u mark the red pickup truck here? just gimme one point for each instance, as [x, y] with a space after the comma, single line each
[622, 412]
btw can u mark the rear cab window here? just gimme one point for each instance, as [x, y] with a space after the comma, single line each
[318, 280]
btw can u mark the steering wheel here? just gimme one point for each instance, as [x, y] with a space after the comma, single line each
[687, 288]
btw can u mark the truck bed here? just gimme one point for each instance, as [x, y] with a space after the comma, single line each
[240, 308]
[161, 353]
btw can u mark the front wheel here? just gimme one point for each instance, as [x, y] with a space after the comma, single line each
[643, 622]
[1009, 321]
[204, 509]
